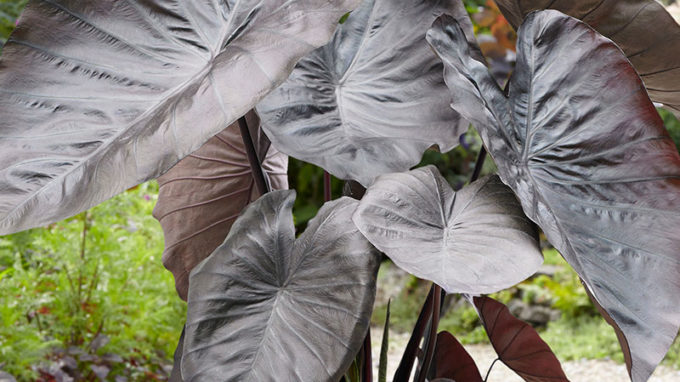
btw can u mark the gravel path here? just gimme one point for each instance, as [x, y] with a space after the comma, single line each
[577, 371]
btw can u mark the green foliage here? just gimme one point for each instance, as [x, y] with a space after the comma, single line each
[563, 291]
[458, 164]
[582, 337]
[672, 125]
[9, 11]
[56, 293]
[307, 180]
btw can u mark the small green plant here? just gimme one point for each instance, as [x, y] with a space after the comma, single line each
[90, 289]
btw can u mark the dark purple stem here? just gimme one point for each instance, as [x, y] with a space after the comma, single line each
[327, 196]
[255, 163]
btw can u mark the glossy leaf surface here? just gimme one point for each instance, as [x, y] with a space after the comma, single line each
[98, 96]
[266, 306]
[517, 343]
[476, 240]
[452, 361]
[203, 194]
[582, 146]
[372, 100]
[643, 29]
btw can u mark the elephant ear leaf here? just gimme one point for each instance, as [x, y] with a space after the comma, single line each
[643, 29]
[265, 306]
[202, 195]
[584, 149]
[476, 240]
[452, 361]
[372, 100]
[98, 96]
[517, 343]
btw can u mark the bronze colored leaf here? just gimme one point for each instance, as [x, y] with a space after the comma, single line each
[202, 195]
[517, 343]
[452, 361]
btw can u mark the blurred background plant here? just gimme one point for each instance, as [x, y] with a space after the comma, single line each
[89, 299]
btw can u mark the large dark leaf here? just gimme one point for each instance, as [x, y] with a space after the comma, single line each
[476, 240]
[265, 306]
[517, 343]
[209, 188]
[98, 96]
[372, 100]
[582, 146]
[643, 29]
[452, 361]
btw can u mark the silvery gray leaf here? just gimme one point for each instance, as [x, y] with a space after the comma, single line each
[580, 143]
[476, 240]
[97, 96]
[372, 100]
[266, 306]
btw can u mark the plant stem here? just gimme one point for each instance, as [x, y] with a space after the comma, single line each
[82, 256]
[327, 195]
[429, 353]
[406, 364]
[255, 163]
[367, 373]
[479, 164]
[490, 367]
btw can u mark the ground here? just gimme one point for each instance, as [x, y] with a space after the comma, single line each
[577, 371]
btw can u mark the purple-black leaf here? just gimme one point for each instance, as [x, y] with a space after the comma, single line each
[581, 145]
[643, 29]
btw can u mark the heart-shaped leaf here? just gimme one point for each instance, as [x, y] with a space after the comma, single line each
[98, 96]
[265, 306]
[209, 188]
[476, 240]
[452, 361]
[372, 100]
[584, 149]
[643, 29]
[517, 343]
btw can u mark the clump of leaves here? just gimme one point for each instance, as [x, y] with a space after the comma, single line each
[100, 98]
